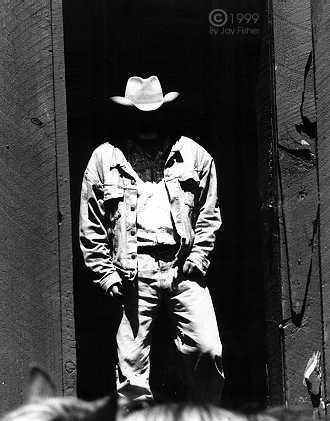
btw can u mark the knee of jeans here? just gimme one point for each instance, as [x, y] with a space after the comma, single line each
[201, 346]
[204, 353]
[210, 348]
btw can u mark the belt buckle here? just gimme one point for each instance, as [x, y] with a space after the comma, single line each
[131, 275]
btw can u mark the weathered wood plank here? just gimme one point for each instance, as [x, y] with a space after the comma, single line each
[298, 192]
[33, 302]
[321, 31]
[64, 203]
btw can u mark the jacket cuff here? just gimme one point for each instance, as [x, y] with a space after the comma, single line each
[109, 280]
[202, 263]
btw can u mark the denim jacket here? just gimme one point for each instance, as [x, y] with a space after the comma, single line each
[108, 210]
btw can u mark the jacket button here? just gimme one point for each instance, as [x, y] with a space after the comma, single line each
[133, 208]
[133, 182]
[133, 232]
[133, 256]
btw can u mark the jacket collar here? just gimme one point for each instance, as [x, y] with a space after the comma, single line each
[176, 149]
[177, 145]
[118, 158]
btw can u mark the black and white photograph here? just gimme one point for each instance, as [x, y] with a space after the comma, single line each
[164, 210]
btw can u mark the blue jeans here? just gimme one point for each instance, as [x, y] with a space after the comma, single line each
[196, 331]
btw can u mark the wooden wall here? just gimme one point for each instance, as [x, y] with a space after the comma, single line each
[297, 191]
[294, 124]
[36, 323]
[321, 39]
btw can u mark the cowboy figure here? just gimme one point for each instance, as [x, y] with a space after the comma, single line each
[148, 218]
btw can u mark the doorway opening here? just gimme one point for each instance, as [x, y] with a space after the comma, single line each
[216, 73]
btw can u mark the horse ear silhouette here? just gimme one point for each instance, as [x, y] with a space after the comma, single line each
[126, 406]
[112, 408]
[40, 385]
[106, 409]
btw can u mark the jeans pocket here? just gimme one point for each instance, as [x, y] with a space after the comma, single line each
[177, 277]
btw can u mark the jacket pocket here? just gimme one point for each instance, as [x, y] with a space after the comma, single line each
[113, 203]
[113, 191]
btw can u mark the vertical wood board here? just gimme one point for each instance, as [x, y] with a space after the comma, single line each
[321, 32]
[30, 276]
[297, 191]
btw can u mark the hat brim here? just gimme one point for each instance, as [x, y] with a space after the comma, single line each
[171, 96]
[122, 101]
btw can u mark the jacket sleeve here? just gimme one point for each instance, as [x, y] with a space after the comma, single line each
[208, 219]
[93, 235]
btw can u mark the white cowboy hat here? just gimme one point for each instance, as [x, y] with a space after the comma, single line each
[144, 94]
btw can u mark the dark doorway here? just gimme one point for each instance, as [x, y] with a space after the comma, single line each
[105, 43]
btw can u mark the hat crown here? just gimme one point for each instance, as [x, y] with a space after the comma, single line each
[144, 91]
[144, 94]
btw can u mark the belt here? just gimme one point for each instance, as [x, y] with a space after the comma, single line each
[166, 253]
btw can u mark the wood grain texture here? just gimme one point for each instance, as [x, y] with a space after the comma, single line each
[298, 192]
[321, 31]
[32, 298]
[64, 203]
